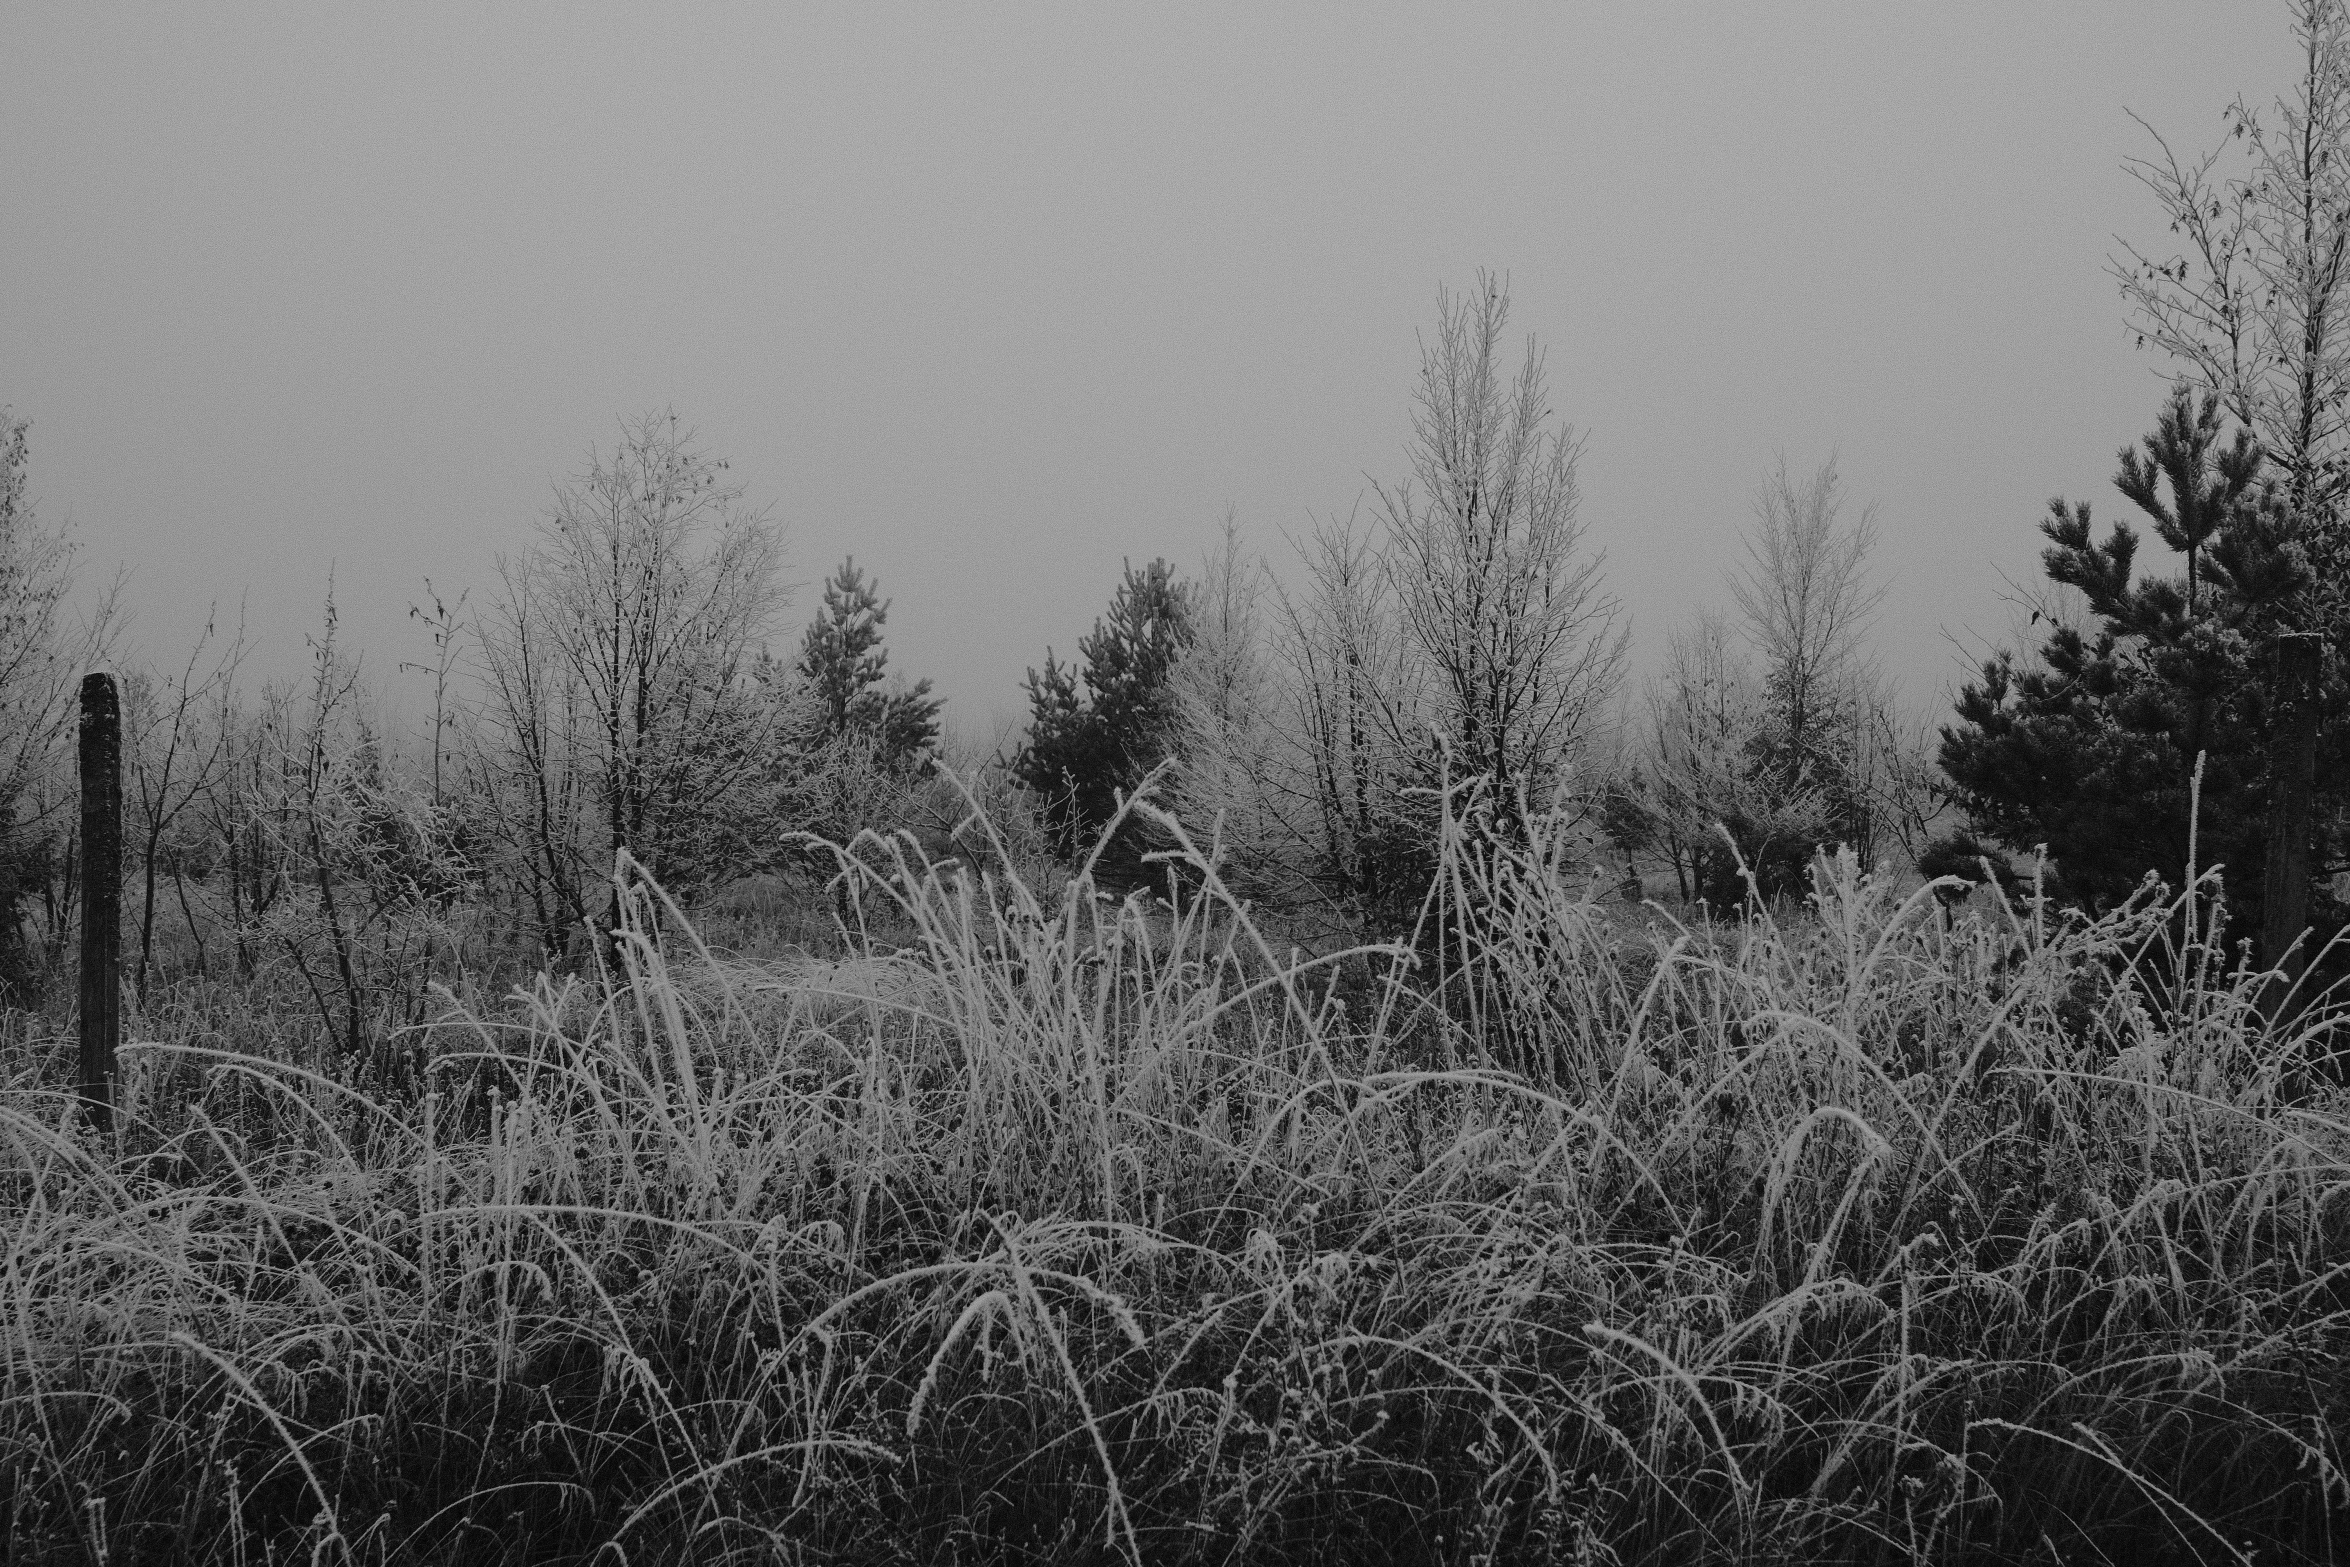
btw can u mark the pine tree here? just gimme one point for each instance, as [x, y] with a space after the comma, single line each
[2093, 751]
[841, 655]
[1084, 750]
[846, 669]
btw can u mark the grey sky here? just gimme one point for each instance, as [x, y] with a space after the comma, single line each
[994, 297]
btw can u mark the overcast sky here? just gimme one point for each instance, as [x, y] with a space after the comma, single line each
[994, 297]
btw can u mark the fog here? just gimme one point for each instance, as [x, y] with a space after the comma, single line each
[996, 299]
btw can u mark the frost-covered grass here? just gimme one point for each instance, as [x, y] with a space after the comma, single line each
[1103, 1232]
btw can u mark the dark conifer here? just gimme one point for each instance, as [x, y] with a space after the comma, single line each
[845, 666]
[2091, 750]
[1084, 750]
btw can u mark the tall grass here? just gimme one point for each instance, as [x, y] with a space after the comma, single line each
[1064, 1230]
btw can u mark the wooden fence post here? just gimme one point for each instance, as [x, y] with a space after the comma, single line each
[101, 976]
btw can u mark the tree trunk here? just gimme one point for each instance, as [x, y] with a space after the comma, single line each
[147, 854]
[2284, 889]
[15, 969]
[179, 882]
[101, 976]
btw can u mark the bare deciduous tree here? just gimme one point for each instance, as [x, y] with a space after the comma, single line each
[616, 662]
[1896, 776]
[1704, 715]
[1488, 558]
[181, 733]
[1301, 735]
[1229, 725]
[1356, 704]
[1806, 600]
[2255, 304]
[1804, 749]
[1468, 633]
[43, 652]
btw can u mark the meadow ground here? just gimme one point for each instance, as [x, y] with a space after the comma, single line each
[1063, 1230]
